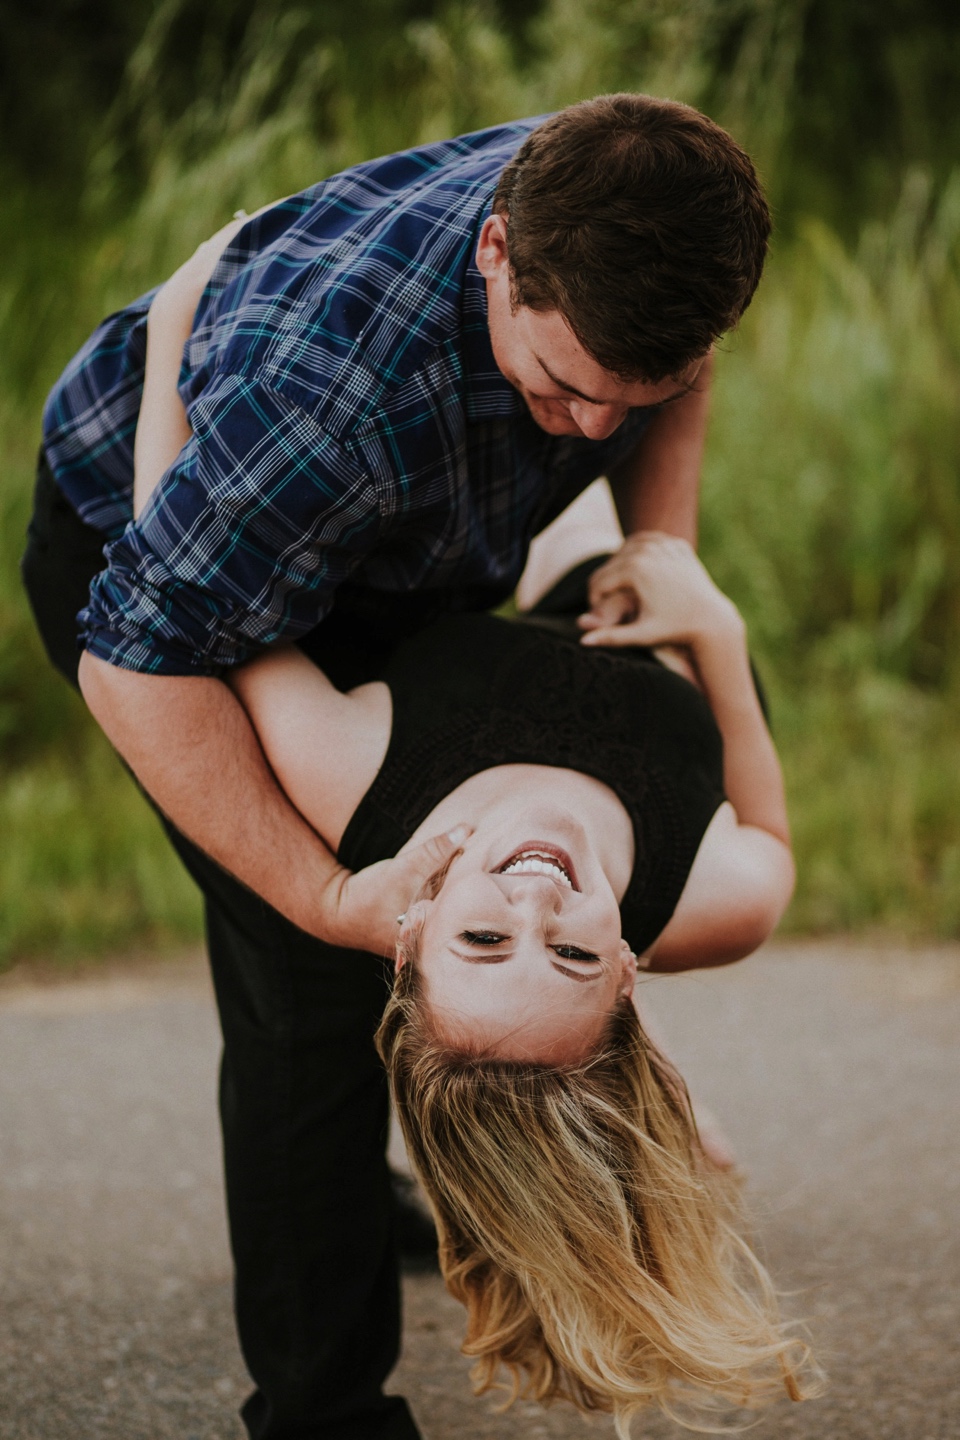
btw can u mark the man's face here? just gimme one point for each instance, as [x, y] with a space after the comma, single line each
[565, 390]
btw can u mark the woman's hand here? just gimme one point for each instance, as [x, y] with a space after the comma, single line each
[360, 909]
[655, 592]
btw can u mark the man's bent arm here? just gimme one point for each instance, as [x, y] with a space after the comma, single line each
[190, 744]
[192, 747]
[658, 486]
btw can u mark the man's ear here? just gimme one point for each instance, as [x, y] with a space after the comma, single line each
[492, 258]
[628, 972]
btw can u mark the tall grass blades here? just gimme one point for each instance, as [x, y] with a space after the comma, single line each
[832, 512]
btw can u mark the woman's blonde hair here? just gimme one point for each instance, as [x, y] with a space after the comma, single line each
[581, 1227]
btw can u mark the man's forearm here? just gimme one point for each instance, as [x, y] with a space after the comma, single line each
[190, 744]
[658, 486]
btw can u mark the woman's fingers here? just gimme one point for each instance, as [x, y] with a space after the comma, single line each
[613, 607]
[632, 633]
[610, 577]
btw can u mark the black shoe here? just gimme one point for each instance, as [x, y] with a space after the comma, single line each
[414, 1228]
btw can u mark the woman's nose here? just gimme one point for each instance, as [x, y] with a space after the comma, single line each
[535, 891]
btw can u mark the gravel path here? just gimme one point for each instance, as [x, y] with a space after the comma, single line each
[833, 1068]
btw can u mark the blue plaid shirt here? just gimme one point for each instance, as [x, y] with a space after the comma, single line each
[351, 430]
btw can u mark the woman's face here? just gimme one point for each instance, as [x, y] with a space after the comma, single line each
[520, 949]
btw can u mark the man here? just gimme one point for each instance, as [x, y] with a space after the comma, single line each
[394, 380]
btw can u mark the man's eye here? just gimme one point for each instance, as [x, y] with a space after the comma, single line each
[482, 937]
[573, 952]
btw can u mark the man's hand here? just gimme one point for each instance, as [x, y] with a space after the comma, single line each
[361, 908]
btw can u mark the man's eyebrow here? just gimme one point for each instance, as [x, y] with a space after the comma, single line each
[570, 389]
[591, 400]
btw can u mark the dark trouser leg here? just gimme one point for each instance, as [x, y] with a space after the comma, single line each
[304, 1110]
[303, 1107]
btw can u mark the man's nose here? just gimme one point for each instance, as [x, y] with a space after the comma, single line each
[596, 422]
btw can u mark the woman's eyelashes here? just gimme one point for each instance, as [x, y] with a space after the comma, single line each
[573, 952]
[487, 938]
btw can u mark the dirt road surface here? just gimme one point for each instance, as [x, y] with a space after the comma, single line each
[834, 1069]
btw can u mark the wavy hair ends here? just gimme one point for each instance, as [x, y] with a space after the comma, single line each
[642, 222]
[595, 1254]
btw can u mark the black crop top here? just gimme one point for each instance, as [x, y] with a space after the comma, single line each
[474, 691]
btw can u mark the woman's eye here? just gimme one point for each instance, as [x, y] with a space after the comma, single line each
[482, 937]
[573, 952]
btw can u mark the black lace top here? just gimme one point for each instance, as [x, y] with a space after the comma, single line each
[474, 691]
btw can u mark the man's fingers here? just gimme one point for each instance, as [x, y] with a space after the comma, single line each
[364, 906]
[425, 859]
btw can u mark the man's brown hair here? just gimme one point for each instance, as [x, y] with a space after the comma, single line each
[643, 223]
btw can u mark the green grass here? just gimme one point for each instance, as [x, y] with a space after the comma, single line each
[875, 793]
[85, 865]
[831, 503]
[832, 514]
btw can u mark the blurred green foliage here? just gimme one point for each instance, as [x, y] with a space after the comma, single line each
[131, 129]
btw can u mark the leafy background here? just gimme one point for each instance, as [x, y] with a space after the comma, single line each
[130, 130]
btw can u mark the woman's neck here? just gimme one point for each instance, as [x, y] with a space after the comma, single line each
[515, 795]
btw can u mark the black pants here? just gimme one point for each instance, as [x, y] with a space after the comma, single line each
[303, 1104]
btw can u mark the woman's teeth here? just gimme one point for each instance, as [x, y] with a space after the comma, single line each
[538, 865]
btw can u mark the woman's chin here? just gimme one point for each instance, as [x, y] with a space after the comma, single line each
[539, 820]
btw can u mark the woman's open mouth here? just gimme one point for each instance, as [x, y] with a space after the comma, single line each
[536, 857]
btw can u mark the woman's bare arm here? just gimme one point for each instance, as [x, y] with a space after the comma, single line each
[743, 876]
[588, 527]
[324, 747]
[163, 428]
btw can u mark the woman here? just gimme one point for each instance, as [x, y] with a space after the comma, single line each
[609, 808]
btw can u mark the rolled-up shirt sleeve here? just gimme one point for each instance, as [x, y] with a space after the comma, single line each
[243, 543]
